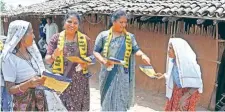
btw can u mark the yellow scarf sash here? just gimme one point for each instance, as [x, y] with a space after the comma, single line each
[1, 45]
[58, 66]
[128, 47]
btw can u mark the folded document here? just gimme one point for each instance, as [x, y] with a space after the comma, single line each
[56, 82]
[148, 70]
[116, 61]
[76, 59]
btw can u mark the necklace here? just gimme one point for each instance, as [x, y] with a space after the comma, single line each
[74, 39]
[29, 61]
[70, 43]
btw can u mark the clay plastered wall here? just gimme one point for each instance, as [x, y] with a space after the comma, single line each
[155, 46]
[92, 31]
[206, 50]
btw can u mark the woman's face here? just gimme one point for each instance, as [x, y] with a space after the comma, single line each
[27, 40]
[71, 24]
[171, 52]
[120, 24]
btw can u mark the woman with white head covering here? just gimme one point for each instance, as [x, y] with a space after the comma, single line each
[6, 98]
[22, 66]
[183, 77]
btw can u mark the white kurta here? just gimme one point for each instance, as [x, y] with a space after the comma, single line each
[50, 30]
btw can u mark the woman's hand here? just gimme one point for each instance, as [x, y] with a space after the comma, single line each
[102, 60]
[84, 65]
[108, 63]
[58, 92]
[182, 102]
[159, 75]
[145, 59]
[56, 53]
[187, 95]
[79, 67]
[36, 81]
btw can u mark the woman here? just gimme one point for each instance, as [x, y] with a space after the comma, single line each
[117, 84]
[22, 66]
[6, 98]
[183, 77]
[71, 43]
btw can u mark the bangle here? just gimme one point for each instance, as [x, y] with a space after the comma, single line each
[20, 89]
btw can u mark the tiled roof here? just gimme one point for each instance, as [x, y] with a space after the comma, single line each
[42, 8]
[213, 9]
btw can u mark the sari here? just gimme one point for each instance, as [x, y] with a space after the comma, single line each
[32, 99]
[116, 86]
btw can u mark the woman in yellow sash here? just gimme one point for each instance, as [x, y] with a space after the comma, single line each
[71, 42]
[117, 81]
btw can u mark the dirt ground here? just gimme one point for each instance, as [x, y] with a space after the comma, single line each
[144, 102]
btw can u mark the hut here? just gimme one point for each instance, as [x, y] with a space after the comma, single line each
[200, 22]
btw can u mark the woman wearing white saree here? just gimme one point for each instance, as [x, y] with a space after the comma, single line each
[183, 77]
[22, 66]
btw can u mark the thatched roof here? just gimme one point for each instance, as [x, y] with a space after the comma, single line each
[207, 9]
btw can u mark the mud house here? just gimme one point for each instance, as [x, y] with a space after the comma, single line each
[200, 22]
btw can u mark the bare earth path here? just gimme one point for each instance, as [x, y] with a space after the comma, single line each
[144, 102]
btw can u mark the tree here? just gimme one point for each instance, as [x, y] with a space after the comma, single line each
[2, 5]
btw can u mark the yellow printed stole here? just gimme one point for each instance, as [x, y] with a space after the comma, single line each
[128, 47]
[58, 65]
[1, 45]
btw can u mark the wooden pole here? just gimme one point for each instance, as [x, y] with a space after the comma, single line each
[212, 103]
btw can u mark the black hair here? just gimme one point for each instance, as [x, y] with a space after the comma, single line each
[73, 14]
[50, 18]
[116, 15]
